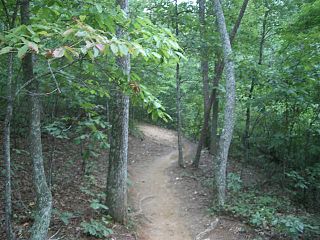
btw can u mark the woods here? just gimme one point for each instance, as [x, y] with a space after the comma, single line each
[237, 80]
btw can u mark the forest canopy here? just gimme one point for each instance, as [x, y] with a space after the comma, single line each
[238, 78]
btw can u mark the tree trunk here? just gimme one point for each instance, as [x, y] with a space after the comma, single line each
[6, 151]
[246, 135]
[178, 94]
[226, 136]
[203, 54]
[7, 131]
[117, 171]
[214, 139]
[44, 199]
[213, 96]
[180, 151]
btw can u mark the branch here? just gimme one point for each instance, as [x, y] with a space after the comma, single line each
[15, 12]
[6, 11]
[54, 77]
[43, 75]
[212, 226]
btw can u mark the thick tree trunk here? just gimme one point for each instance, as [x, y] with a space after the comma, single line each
[118, 157]
[117, 171]
[246, 134]
[213, 96]
[7, 153]
[178, 96]
[226, 136]
[44, 199]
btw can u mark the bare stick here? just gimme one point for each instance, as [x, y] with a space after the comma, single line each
[54, 77]
[213, 225]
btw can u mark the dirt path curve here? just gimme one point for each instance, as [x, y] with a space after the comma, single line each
[154, 197]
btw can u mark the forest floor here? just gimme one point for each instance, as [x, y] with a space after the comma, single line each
[173, 202]
[166, 202]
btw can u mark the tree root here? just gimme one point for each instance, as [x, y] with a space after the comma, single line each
[206, 232]
[140, 212]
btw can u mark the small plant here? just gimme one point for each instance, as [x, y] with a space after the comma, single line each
[262, 217]
[96, 205]
[234, 182]
[290, 225]
[97, 228]
[64, 216]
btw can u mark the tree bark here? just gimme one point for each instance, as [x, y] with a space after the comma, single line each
[214, 139]
[7, 131]
[180, 150]
[44, 199]
[226, 136]
[178, 97]
[7, 153]
[203, 54]
[213, 96]
[117, 171]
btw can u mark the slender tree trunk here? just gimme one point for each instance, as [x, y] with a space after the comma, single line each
[44, 199]
[7, 131]
[203, 54]
[180, 151]
[204, 57]
[178, 96]
[226, 136]
[214, 139]
[213, 96]
[7, 153]
[246, 135]
[117, 171]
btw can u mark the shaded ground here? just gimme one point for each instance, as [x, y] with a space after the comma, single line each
[172, 202]
[166, 202]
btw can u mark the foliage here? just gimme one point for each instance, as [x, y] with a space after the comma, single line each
[64, 216]
[266, 211]
[97, 228]
[234, 182]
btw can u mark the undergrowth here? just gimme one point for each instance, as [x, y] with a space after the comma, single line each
[274, 214]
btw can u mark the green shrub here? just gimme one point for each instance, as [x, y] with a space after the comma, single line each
[268, 212]
[97, 228]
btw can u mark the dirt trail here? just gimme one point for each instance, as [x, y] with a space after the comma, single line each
[170, 203]
[157, 201]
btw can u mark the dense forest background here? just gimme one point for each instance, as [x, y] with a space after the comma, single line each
[69, 68]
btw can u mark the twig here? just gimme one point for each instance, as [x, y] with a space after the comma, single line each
[213, 225]
[52, 237]
[6, 11]
[54, 77]
[43, 75]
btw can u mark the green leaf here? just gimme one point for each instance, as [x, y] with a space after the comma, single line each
[5, 50]
[68, 32]
[95, 204]
[22, 51]
[123, 50]
[99, 8]
[82, 18]
[114, 49]
[157, 55]
[68, 56]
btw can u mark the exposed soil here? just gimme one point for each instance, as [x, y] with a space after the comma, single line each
[166, 201]
[172, 202]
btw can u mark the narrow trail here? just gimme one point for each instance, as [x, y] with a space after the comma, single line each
[155, 198]
[170, 203]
